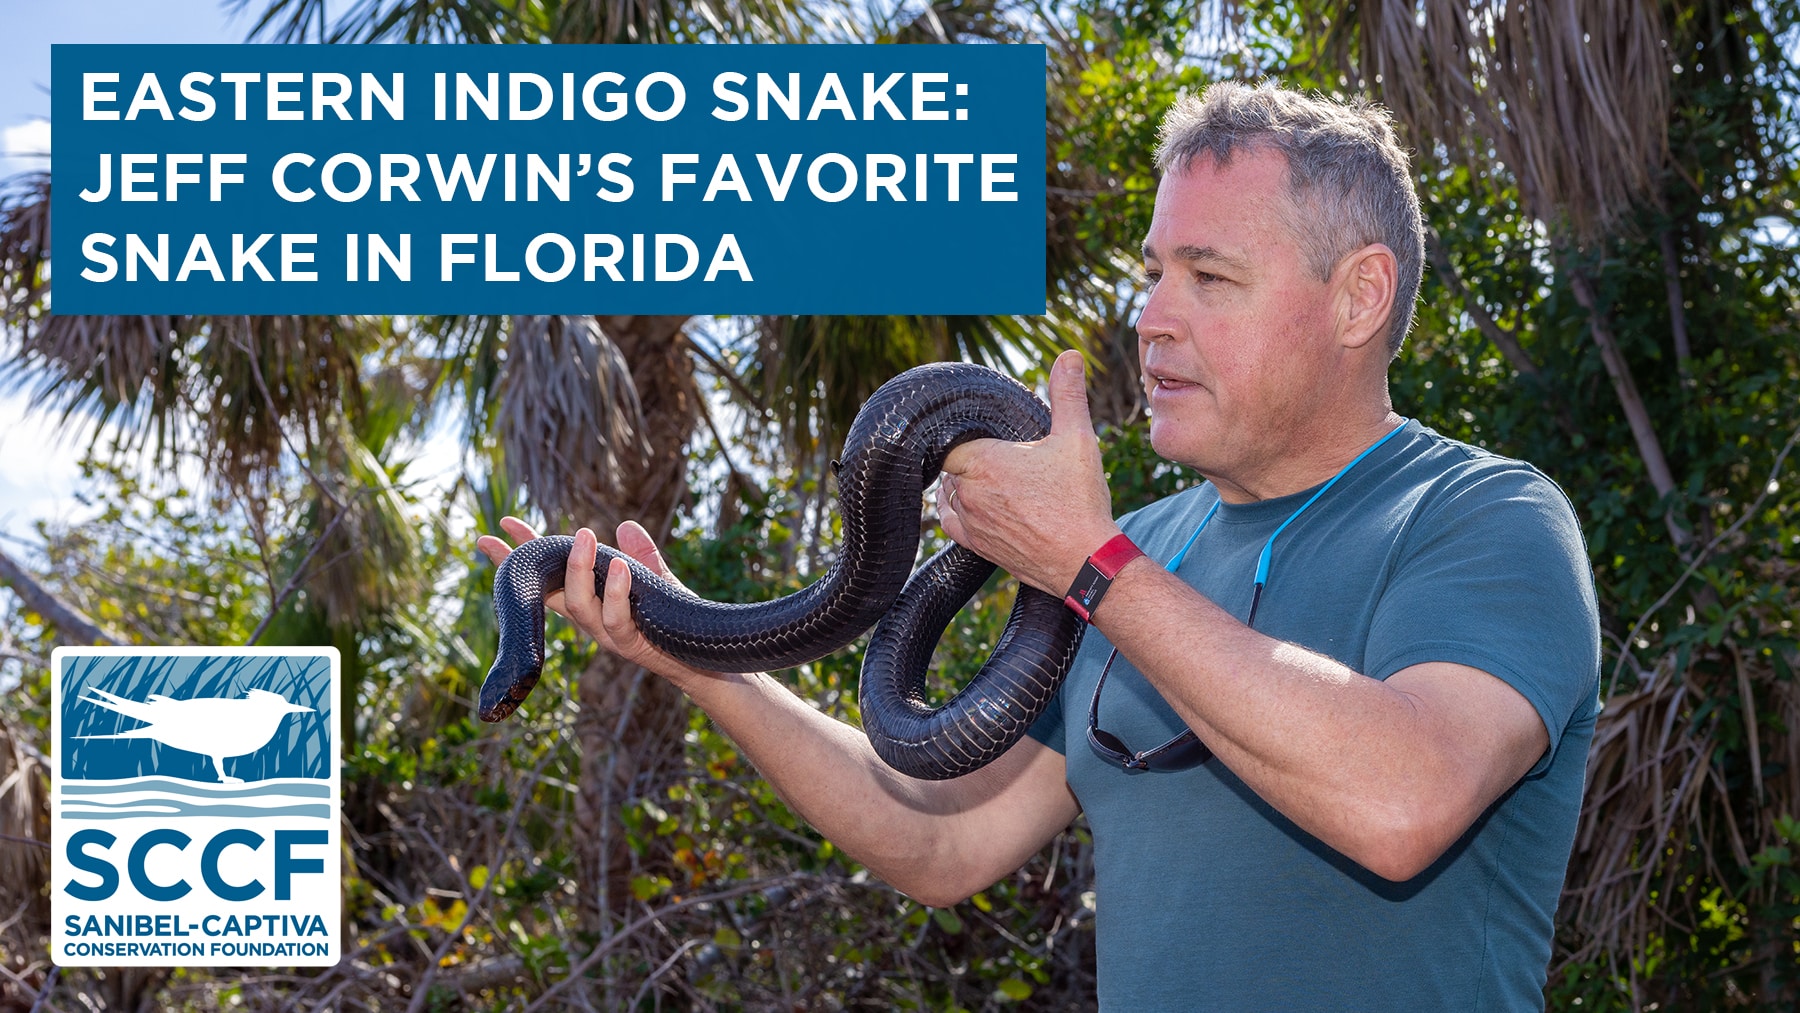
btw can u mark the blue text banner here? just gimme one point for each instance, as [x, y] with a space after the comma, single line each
[548, 179]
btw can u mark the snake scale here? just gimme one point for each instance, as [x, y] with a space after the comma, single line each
[894, 450]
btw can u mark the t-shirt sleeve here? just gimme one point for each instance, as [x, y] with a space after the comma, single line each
[1494, 575]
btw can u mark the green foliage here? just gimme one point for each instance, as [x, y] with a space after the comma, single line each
[1104, 124]
[168, 565]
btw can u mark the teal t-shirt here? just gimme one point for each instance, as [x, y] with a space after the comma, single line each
[1208, 899]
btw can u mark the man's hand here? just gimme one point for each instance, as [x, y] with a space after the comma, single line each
[1036, 509]
[607, 619]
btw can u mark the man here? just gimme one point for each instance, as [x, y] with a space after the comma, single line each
[1385, 642]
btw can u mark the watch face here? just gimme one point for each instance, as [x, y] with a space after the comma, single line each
[1090, 585]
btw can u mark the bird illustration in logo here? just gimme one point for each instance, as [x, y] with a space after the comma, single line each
[214, 727]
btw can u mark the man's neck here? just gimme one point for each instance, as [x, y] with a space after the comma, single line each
[1316, 463]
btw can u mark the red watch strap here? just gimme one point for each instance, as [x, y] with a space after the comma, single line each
[1110, 558]
[1097, 575]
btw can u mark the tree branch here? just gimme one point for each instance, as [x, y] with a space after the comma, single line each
[637, 925]
[294, 580]
[1642, 430]
[74, 624]
[1484, 321]
[1501, 337]
[1677, 304]
[262, 385]
[1769, 486]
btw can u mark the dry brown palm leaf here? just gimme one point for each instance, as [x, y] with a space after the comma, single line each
[570, 423]
[79, 362]
[1660, 820]
[94, 363]
[262, 385]
[1647, 773]
[1570, 97]
[233, 391]
[100, 365]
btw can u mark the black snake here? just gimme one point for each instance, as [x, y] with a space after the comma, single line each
[895, 448]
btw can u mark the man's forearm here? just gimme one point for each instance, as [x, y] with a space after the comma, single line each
[936, 841]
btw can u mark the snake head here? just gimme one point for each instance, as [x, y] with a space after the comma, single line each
[529, 573]
[507, 685]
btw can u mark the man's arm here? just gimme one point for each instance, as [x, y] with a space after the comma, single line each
[1390, 773]
[936, 841]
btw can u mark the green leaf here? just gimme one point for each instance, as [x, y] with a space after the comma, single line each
[1013, 990]
[646, 887]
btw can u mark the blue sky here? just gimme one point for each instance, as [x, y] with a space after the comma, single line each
[32, 27]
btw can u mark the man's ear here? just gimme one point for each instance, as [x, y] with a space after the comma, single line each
[1367, 281]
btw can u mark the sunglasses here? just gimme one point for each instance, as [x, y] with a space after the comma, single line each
[1179, 753]
[1185, 750]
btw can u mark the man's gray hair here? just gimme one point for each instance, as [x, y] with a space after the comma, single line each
[1349, 181]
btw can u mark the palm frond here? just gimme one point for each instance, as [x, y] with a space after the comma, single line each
[569, 422]
[663, 21]
[232, 391]
[1572, 99]
[1658, 824]
[365, 545]
[955, 21]
[412, 21]
[815, 372]
[564, 21]
[220, 388]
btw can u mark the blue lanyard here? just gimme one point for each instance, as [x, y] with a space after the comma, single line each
[1268, 549]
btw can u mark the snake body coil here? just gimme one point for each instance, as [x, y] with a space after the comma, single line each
[895, 448]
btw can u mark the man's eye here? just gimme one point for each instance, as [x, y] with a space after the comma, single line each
[1206, 278]
[1152, 276]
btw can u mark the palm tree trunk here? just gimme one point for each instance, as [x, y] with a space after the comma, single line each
[630, 724]
[1116, 390]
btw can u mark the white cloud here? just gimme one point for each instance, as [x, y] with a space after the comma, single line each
[27, 139]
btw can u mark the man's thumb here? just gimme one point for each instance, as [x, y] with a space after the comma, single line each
[1068, 396]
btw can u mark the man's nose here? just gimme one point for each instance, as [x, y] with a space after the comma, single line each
[1154, 321]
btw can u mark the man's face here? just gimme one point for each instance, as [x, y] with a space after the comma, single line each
[1236, 339]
